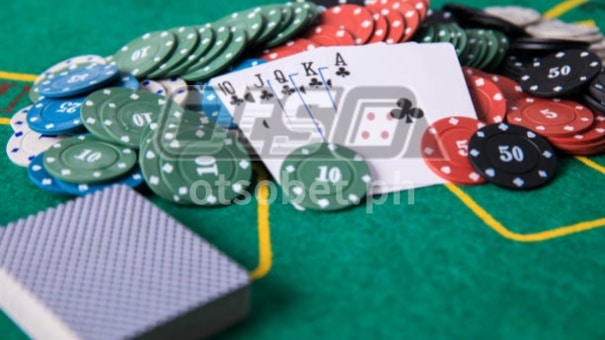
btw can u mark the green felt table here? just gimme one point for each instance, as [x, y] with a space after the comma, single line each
[439, 262]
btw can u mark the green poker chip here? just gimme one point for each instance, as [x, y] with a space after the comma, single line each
[426, 34]
[127, 112]
[250, 21]
[88, 160]
[325, 177]
[461, 41]
[145, 54]
[503, 46]
[206, 41]
[187, 40]
[90, 113]
[209, 178]
[232, 51]
[194, 166]
[188, 130]
[478, 48]
[273, 17]
[221, 41]
[493, 44]
[312, 9]
[120, 115]
[300, 20]
[149, 162]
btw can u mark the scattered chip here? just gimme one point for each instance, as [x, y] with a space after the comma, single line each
[512, 156]
[325, 177]
[444, 148]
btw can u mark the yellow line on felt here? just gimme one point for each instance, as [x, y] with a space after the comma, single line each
[588, 22]
[5, 121]
[17, 76]
[265, 253]
[592, 164]
[563, 8]
[498, 227]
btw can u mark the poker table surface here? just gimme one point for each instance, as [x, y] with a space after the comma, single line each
[440, 262]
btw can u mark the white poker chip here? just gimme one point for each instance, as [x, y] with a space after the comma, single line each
[19, 119]
[557, 29]
[598, 46]
[517, 15]
[152, 86]
[176, 89]
[26, 144]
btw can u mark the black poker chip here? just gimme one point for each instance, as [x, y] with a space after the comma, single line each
[439, 17]
[462, 12]
[594, 104]
[597, 92]
[470, 17]
[541, 47]
[597, 87]
[561, 74]
[333, 3]
[512, 156]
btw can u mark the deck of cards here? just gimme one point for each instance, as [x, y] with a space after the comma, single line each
[111, 265]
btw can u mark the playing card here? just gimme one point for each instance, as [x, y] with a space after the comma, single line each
[376, 99]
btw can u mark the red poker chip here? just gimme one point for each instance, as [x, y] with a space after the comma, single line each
[290, 48]
[511, 89]
[412, 19]
[328, 35]
[551, 117]
[396, 24]
[420, 6]
[381, 28]
[489, 101]
[471, 71]
[583, 150]
[356, 19]
[303, 44]
[410, 14]
[595, 134]
[444, 147]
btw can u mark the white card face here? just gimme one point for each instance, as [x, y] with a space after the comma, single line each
[376, 99]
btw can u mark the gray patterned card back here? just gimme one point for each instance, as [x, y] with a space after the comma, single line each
[111, 265]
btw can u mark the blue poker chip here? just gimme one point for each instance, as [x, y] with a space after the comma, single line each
[41, 178]
[79, 80]
[215, 110]
[127, 81]
[55, 116]
[247, 63]
[133, 179]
